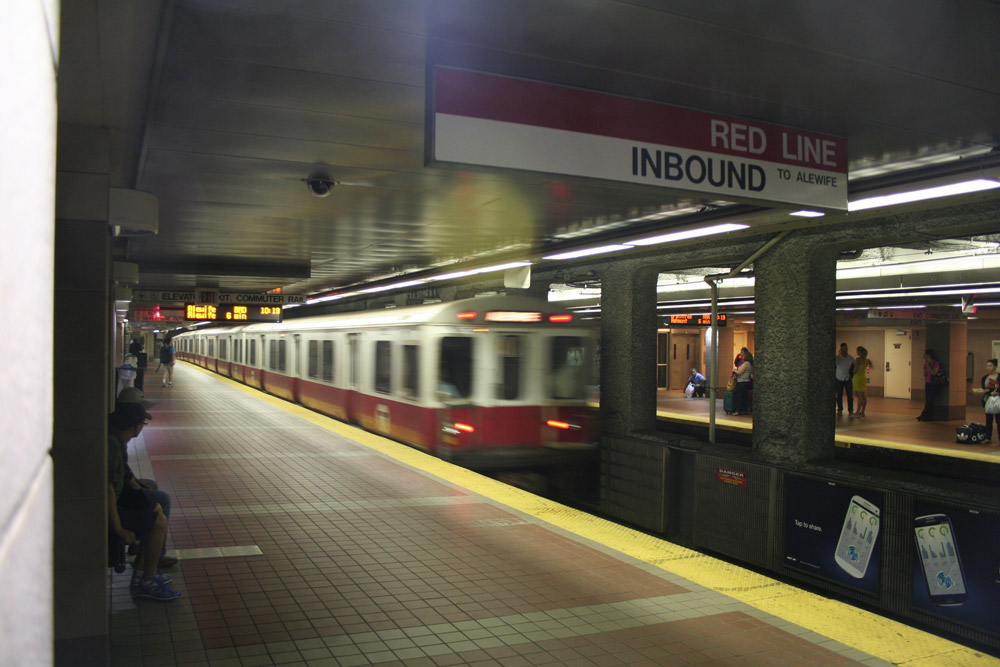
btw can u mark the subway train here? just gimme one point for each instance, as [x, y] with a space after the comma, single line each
[489, 383]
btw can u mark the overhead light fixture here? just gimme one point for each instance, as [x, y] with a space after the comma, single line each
[808, 214]
[485, 269]
[962, 188]
[689, 234]
[875, 294]
[600, 250]
[386, 288]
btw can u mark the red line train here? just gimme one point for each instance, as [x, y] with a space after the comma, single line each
[489, 383]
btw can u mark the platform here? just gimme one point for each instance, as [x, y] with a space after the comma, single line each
[305, 541]
[889, 422]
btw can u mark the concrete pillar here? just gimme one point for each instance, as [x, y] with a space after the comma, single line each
[949, 342]
[28, 54]
[628, 349]
[793, 403]
[83, 327]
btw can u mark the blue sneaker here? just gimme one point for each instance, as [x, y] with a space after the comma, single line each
[160, 578]
[153, 590]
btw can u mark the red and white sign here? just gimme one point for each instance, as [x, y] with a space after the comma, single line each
[497, 121]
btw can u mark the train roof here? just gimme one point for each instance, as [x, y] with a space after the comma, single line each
[443, 313]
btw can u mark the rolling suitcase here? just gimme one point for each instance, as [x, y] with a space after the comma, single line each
[727, 402]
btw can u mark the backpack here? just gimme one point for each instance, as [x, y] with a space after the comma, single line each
[166, 354]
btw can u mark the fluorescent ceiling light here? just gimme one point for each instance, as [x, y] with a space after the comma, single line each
[386, 288]
[963, 188]
[329, 297]
[808, 214]
[589, 251]
[485, 269]
[903, 295]
[690, 234]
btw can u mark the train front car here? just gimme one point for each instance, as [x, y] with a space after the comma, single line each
[513, 375]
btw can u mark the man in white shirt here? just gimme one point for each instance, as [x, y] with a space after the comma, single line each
[845, 369]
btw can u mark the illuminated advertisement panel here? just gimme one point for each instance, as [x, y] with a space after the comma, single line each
[832, 531]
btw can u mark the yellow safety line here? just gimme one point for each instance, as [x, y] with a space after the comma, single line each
[868, 632]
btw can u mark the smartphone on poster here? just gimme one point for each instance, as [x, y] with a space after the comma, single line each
[857, 537]
[939, 557]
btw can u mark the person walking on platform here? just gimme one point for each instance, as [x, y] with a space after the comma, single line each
[859, 381]
[990, 388]
[845, 369]
[744, 383]
[167, 361]
[931, 368]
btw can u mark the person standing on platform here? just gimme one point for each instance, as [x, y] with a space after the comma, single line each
[167, 361]
[744, 383]
[931, 367]
[990, 387]
[860, 381]
[845, 370]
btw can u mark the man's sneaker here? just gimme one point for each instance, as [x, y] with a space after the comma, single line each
[160, 578]
[153, 590]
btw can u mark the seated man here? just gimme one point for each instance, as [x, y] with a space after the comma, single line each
[697, 380]
[148, 487]
[130, 514]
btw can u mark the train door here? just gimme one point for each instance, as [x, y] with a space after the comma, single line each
[897, 363]
[354, 393]
[460, 428]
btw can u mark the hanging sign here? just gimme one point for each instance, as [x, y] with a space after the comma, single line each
[494, 121]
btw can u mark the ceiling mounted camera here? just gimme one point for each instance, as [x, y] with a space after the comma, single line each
[319, 185]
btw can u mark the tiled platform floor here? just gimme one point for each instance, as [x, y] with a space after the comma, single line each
[301, 546]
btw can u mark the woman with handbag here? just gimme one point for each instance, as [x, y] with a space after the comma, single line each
[744, 383]
[991, 395]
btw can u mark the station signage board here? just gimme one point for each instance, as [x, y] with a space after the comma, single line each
[495, 121]
[231, 313]
[221, 298]
[693, 320]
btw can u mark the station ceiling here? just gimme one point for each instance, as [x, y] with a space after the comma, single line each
[221, 108]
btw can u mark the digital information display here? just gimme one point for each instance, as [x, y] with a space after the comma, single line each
[694, 320]
[231, 313]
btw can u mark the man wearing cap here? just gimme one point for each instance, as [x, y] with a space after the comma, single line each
[130, 514]
[148, 487]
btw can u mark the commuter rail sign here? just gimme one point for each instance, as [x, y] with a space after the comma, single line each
[494, 121]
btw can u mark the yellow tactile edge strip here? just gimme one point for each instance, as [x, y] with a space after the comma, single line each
[875, 635]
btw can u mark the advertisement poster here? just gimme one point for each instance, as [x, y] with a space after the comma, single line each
[832, 531]
[956, 571]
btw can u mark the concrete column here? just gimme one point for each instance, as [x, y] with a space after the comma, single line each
[83, 327]
[950, 344]
[29, 36]
[793, 402]
[628, 349]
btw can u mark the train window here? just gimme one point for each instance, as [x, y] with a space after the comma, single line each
[509, 349]
[411, 371]
[568, 369]
[211, 347]
[328, 360]
[272, 355]
[455, 373]
[253, 352]
[281, 356]
[383, 367]
[222, 349]
[313, 369]
[352, 359]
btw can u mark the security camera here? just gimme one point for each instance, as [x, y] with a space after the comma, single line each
[319, 186]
